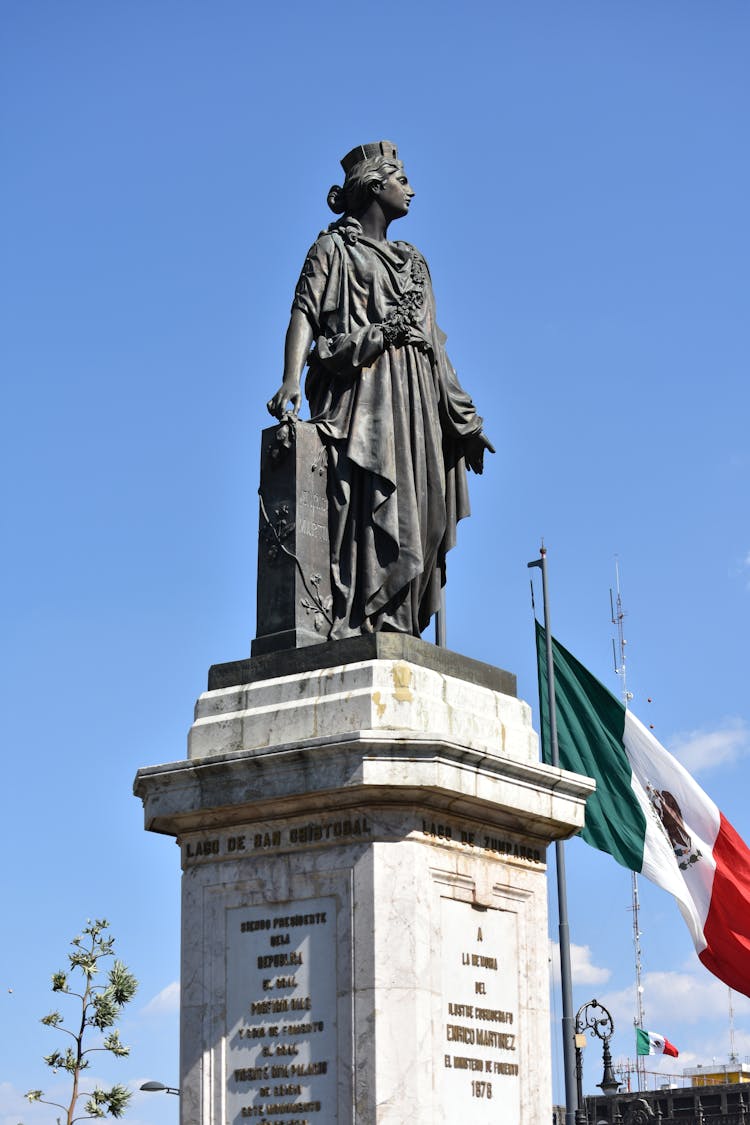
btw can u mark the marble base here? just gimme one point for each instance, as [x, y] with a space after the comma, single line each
[364, 900]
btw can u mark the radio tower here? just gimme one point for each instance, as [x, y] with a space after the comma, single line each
[620, 662]
[734, 1058]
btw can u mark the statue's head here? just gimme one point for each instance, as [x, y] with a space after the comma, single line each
[368, 169]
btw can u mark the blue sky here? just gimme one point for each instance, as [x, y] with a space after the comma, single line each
[582, 177]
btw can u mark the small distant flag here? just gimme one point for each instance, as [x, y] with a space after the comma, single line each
[651, 1043]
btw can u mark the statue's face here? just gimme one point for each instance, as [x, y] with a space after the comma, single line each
[395, 195]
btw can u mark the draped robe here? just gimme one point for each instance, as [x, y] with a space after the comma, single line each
[394, 419]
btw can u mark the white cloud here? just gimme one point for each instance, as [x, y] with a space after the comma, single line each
[702, 749]
[584, 972]
[165, 1002]
[673, 998]
[14, 1108]
[692, 1009]
[144, 1108]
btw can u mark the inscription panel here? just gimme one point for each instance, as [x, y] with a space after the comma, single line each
[312, 512]
[355, 826]
[480, 1052]
[281, 1013]
[270, 837]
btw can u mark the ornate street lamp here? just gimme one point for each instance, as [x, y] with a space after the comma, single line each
[594, 1018]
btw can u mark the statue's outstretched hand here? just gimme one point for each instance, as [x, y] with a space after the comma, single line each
[474, 450]
[287, 392]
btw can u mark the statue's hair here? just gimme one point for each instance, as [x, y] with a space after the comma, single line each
[355, 194]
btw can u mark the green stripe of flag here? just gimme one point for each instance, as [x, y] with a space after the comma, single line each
[590, 725]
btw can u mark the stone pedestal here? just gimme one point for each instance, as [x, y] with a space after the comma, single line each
[364, 893]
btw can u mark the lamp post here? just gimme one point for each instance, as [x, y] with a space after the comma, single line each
[595, 1018]
[153, 1087]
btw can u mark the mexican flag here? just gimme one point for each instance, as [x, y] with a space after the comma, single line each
[650, 814]
[651, 1043]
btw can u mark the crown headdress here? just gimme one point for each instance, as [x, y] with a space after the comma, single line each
[364, 152]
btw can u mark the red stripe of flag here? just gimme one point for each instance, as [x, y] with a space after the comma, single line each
[727, 927]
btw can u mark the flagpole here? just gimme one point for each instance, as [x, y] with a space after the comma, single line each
[566, 978]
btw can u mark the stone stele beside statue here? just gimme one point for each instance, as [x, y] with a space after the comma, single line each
[395, 428]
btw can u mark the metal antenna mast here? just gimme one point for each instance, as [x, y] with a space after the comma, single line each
[733, 1056]
[640, 1015]
[618, 647]
[618, 650]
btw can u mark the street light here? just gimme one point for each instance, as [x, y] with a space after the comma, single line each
[603, 1027]
[151, 1087]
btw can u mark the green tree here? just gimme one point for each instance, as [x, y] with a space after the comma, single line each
[99, 1006]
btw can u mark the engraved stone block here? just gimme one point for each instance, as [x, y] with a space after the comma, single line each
[294, 570]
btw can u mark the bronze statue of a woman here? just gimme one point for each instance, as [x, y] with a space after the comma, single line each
[398, 427]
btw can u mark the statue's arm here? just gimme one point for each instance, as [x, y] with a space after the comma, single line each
[458, 413]
[299, 338]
